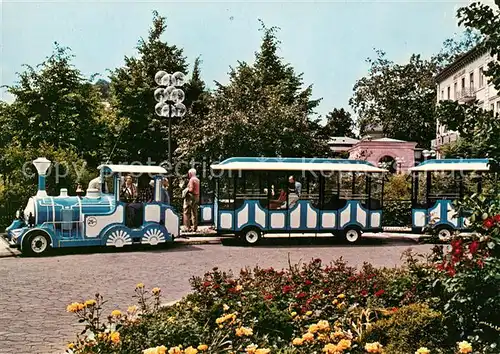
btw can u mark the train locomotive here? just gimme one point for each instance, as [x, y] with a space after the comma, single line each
[97, 218]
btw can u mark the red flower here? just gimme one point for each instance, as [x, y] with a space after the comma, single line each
[473, 247]
[286, 289]
[440, 266]
[326, 291]
[301, 295]
[268, 297]
[216, 286]
[308, 282]
[206, 284]
[380, 293]
[364, 293]
[451, 270]
[497, 218]
[394, 309]
[370, 276]
[232, 290]
[353, 278]
[480, 263]
[488, 223]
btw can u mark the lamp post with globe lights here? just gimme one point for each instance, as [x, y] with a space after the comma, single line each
[428, 153]
[170, 97]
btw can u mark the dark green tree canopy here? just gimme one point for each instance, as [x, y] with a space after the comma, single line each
[133, 86]
[338, 123]
[262, 111]
[486, 20]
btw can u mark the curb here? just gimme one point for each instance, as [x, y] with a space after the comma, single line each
[5, 249]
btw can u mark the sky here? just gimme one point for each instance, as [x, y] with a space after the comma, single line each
[328, 41]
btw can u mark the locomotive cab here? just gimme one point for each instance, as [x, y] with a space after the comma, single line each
[97, 218]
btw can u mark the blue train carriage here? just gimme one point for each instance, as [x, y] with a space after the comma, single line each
[257, 196]
[436, 185]
[98, 218]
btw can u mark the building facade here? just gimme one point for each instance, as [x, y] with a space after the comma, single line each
[464, 81]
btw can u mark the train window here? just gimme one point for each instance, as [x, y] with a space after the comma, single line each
[225, 192]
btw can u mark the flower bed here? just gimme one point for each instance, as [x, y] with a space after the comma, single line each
[445, 302]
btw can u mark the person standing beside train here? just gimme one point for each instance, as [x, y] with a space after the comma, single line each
[191, 201]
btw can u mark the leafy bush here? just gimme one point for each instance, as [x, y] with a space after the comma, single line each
[410, 327]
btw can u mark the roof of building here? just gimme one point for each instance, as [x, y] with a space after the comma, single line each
[132, 169]
[452, 165]
[460, 62]
[294, 164]
[389, 140]
[341, 140]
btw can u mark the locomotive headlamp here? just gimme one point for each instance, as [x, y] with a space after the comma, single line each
[41, 165]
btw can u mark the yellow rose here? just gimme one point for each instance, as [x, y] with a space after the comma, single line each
[251, 349]
[156, 291]
[139, 286]
[116, 313]
[263, 351]
[422, 350]
[150, 351]
[330, 349]
[225, 307]
[202, 347]
[244, 331]
[90, 303]
[341, 296]
[373, 347]
[308, 337]
[71, 345]
[464, 347]
[239, 288]
[344, 344]
[297, 341]
[72, 307]
[132, 309]
[323, 325]
[175, 350]
[293, 314]
[161, 350]
[313, 328]
[309, 313]
[335, 302]
[190, 350]
[115, 337]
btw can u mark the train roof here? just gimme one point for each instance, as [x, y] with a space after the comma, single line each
[132, 169]
[295, 164]
[452, 165]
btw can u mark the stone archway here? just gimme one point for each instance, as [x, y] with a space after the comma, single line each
[388, 162]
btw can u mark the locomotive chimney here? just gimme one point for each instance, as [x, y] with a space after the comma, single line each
[41, 165]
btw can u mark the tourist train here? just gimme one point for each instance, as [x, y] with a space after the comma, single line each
[251, 197]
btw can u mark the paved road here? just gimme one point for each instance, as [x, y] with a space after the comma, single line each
[34, 292]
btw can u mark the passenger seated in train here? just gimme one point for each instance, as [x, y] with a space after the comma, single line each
[128, 195]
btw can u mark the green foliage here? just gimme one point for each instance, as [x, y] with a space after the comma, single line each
[412, 326]
[55, 104]
[486, 20]
[262, 111]
[398, 97]
[338, 123]
[145, 134]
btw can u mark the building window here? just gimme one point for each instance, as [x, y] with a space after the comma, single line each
[481, 77]
[442, 95]
[471, 79]
[463, 83]
[455, 91]
[492, 107]
[448, 92]
[498, 107]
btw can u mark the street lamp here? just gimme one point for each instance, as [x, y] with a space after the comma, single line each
[400, 161]
[169, 97]
[427, 153]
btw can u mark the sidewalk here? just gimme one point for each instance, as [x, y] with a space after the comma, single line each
[5, 250]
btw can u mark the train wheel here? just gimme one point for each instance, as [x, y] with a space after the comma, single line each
[352, 235]
[444, 233]
[36, 244]
[251, 236]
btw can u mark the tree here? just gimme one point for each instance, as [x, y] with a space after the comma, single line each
[55, 105]
[338, 123]
[262, 111]
[104, 88]
[478, 130]
[454, 48]
[486, 20]
[399, 97]
[145, 135]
